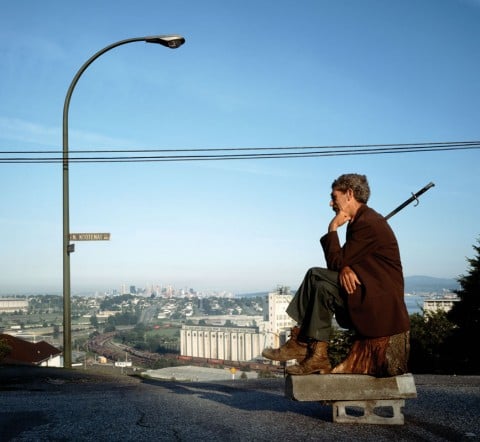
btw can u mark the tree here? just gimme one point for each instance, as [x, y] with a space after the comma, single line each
[94, 321]
[5, 349]
[428, 334]
[56, 330]
[465, 314]
[340, 343]
[110, 327]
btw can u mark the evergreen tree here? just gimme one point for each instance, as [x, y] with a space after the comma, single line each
[465, 314]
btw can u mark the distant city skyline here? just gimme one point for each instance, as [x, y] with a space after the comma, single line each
[413, 284]
[251, 74]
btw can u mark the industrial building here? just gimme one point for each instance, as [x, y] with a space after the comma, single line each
[236, 342]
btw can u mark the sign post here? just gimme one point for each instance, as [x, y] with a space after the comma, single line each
[67, 327]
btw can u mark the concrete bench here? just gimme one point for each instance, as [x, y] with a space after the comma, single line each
[350, 392]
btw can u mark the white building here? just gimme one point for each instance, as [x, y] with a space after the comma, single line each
[240, 343]
[226, 343]
[8, 305]
[445, 303]
[277, 322]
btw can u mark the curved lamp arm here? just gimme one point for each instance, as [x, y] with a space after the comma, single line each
[169, 41]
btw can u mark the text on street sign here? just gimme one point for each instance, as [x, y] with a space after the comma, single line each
[89, 236]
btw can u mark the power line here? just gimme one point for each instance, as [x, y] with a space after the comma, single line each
[216, 154]
[432, 144]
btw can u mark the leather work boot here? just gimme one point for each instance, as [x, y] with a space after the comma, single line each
[292, 349]
[316, 361]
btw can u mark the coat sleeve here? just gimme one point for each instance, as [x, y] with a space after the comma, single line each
[362, 240]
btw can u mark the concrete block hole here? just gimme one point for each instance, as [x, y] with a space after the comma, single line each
[382, 411]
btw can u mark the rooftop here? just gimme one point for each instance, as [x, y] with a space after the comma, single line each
[24, 352]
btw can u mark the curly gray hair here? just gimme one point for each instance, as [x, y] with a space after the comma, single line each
[358, 183]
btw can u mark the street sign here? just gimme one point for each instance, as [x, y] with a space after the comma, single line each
[89, 236]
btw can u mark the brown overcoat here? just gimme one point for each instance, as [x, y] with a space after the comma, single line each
[377, 308]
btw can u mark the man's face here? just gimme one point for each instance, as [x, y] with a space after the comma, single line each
[338, 201]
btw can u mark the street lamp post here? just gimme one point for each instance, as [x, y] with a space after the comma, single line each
[169, 41]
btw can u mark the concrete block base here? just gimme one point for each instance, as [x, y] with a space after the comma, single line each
[354, 391]
[342, 409]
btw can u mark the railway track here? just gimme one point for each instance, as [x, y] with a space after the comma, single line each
[103, 345]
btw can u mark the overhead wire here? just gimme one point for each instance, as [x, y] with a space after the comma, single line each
[217, 154]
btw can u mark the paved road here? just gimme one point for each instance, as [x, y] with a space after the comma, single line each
[45, 404]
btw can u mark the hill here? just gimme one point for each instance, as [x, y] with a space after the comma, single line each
[413, 284]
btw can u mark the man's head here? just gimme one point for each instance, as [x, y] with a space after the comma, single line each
[358, 184]
[349, 192]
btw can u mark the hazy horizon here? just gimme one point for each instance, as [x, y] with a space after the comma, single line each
[410, 281]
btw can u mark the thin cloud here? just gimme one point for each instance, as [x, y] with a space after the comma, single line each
[17, 130]
[13, 129]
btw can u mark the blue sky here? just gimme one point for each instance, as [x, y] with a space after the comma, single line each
[251, 74]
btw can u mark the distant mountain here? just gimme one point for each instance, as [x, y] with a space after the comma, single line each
[429, 284]
[413, 284]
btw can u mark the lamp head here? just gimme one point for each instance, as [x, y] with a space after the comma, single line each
[169, 41]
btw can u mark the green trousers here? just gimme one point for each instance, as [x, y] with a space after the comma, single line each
[316, 301]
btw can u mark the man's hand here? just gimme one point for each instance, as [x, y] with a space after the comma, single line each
[348, 280]
[338, 220]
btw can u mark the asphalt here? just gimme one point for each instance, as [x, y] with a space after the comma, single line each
[48, 404]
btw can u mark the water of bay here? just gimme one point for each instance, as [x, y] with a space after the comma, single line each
[414, 303]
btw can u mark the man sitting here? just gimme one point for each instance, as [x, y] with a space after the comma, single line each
[362, 285]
